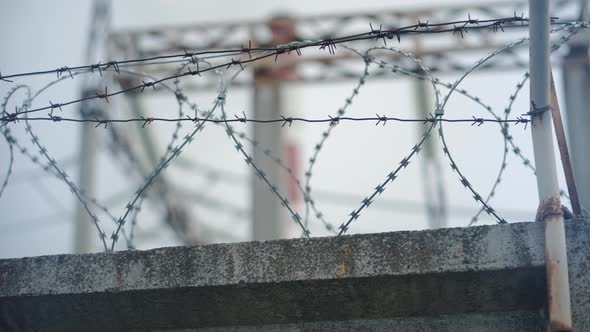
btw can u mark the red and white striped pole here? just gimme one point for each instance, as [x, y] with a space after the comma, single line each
[274, 98]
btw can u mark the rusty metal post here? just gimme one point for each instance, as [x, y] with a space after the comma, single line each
[564, 151]
[550, 210]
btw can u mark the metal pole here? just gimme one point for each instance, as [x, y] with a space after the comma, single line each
[564, 151]
[550, 210]
[432, 179]
[576, 78]
[266, 210]
[269, 220]
[84, 236]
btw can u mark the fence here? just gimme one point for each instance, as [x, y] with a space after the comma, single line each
[227, 64]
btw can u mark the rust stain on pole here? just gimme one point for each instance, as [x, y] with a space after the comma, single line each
[549, 207]
[563, 150]
[558, 321]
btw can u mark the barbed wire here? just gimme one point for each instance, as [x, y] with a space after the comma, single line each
[456, 27]
[218, 115]
[283, 121]
[268, 52]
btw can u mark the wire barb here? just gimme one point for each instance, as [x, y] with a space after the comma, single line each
[61, 70]
[147, 85]
[243, 119]
[378, 33]
[97, 67]
[478, 121]
[287, 121]
[235, 62]
[381, 119]
[537, 110]
[330, 45]
[248, 49]
[2, 78]
[424, 25]
[114, 65]
[334, 121]
[100, 122]
[104, 95]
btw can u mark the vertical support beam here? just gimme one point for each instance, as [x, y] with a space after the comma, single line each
[432, 179]
[576, 79]
[266, 209]
[85, 238]
[550, 210]
[270, 96]
[84, 232]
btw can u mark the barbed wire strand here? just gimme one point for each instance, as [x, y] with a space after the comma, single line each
[326, 44]
[455, 27]
[487, 107]
[62, 174]
[366, 202]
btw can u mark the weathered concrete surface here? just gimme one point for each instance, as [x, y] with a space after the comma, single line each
[488, 322]
[450, 275]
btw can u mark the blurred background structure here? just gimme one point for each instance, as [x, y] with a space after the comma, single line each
[209, 194]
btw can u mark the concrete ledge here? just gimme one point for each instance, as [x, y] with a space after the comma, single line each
[361, 278]
[488, 322]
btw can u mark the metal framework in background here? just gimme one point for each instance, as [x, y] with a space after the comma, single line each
[445, 53]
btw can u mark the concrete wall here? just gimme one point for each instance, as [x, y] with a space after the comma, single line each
[487, 278]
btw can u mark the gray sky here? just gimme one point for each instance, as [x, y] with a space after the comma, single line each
[36, 210]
